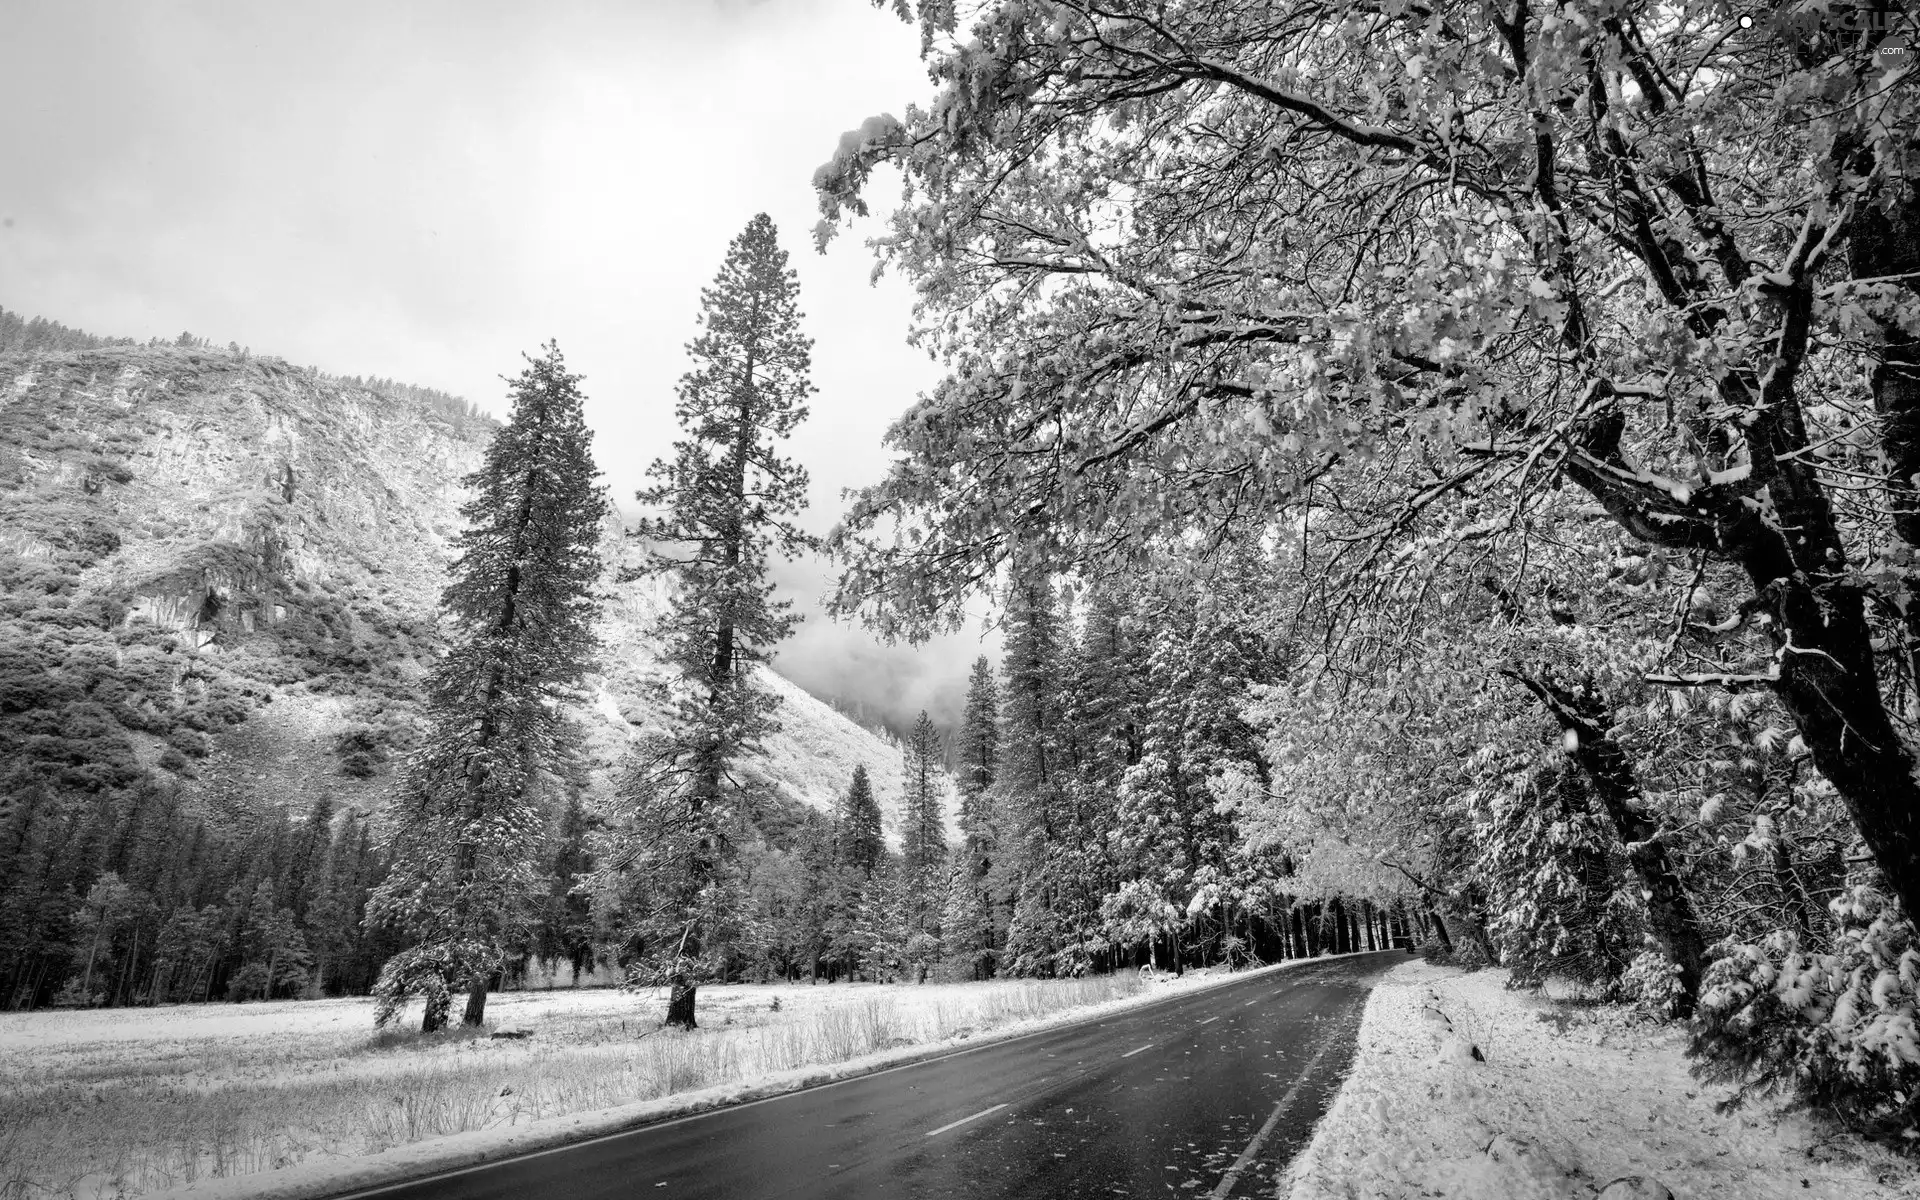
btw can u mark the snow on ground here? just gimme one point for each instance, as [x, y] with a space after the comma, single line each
[1567, 1100]
[301, 1097]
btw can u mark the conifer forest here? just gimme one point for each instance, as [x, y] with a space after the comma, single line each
[1394, 476]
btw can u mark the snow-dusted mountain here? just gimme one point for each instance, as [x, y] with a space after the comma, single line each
[279, 538]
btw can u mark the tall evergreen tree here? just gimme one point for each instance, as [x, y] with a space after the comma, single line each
[1106, 696]
[1035, 670]
[978, 751]
[723, 503]
[1170, 832]
[472, 817]
[967, 926]
[817, 889]
[1028, 785]
[307, 868]
[861, 843]
[923, 837]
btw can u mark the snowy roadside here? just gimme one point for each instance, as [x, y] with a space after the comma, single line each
[1566, 1102]
[331, 1176]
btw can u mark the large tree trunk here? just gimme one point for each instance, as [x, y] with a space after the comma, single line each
[1884, 243]
[1824, 670]
[476, 1011]
[434, 1018]
[680, 1003]
[1583, 716]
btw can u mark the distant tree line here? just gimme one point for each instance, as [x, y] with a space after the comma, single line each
[125, 897]
[24, 335]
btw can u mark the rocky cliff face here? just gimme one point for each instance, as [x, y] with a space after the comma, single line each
[232, 566]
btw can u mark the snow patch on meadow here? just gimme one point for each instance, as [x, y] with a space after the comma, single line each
[1567, 1100]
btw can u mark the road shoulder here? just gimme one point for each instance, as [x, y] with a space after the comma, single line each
[1560, 1102]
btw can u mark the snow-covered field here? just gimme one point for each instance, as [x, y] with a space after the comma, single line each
[124, 1101]
[1566, 1101]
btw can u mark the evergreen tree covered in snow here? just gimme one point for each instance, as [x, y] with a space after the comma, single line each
[967, 927]
[1035, 660]
[1106, 692]
[1558, 891]
[722, 505]
[1169, 826]
[861, 842]
[1028, 782]
[472, 816]
[923, 837]
[978, 752]
[966, 924]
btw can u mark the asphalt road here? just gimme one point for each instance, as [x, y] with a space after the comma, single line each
[1199, 1095]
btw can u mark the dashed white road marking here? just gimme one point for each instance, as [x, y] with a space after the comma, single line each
[963, 1120]
[1210, 1020]
[1251, 1003]
[1136, 1050]
[1253, 1147]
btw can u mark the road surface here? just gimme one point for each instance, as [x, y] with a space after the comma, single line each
[1204, 1095]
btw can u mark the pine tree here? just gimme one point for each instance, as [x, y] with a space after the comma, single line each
[979, 752]
[724, 502]
[1169, 831]
[522, 596]
[861, 842]
[1027, 793]
[333, 910]
[880, 935]
[814, 856]
[923, 839]
[1034, 665]
[966, 925]
[1105, 701]
[305, 878]
[274, 953]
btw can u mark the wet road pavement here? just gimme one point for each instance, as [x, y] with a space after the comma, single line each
[1207, 1095]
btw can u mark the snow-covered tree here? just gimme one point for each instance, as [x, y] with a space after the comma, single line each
[966, 924]
[721, 505]
[1152, 328]
[978, 751]
[923, 834]
[972, 940]
[861, 842]
[468, 825]
[1560, 897]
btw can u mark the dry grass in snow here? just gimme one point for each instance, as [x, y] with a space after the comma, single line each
[124, 1101]
[1568, 1100]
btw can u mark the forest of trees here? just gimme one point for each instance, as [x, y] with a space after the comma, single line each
[1549, 375]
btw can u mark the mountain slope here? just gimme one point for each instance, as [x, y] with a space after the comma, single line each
[809, 758]
[233, 565]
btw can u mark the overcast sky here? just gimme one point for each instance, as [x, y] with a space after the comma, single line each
[421, 191]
